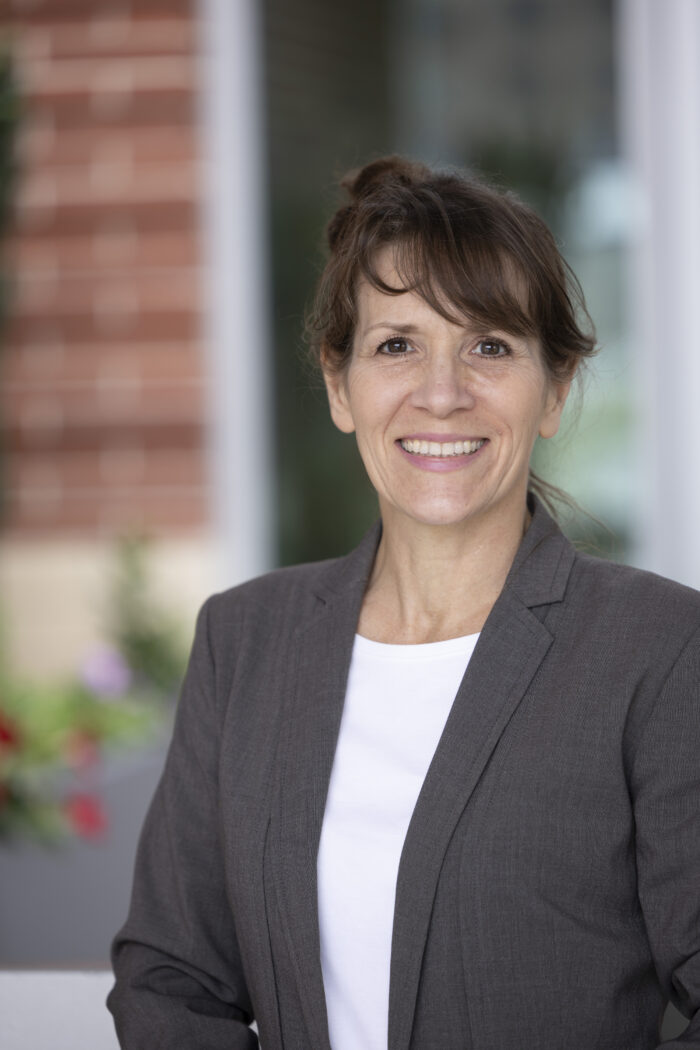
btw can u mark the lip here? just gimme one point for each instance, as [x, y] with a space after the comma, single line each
[441, 438]
[440, 464]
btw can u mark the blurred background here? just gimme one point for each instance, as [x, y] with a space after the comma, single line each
[166, 170]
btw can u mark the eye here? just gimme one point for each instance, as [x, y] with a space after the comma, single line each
[394, 347]
[491, 348]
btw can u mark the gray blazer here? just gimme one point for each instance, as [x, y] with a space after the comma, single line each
[548, 894]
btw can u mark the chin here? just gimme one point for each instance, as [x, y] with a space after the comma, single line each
[443, 515]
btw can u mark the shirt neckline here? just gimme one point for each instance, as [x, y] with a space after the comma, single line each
[463, 645]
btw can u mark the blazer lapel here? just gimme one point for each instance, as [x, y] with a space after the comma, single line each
[512, 646]
[310, 732]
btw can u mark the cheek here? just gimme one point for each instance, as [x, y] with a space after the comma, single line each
[544, 407]
[523, 408]
[372, 402]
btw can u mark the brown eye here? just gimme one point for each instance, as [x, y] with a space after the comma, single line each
[393, 347]
[491, 348]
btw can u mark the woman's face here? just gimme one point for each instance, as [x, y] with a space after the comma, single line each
[445, 415]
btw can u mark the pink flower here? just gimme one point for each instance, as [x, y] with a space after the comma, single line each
[106, 672]
[86, 815]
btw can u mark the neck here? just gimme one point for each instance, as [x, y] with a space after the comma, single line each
[432, 582]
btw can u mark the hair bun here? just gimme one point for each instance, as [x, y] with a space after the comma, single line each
[364, 183]
[392, 170]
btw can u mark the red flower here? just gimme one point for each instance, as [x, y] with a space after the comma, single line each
[86, 815]
[9, 737]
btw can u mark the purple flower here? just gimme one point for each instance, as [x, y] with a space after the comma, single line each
[106, 672]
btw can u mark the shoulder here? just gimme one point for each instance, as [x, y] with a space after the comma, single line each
[251, 633]
[637, 588]
[293, 586]
[249, 630]
[631, 611]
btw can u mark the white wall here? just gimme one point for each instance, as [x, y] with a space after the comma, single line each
[659, 65]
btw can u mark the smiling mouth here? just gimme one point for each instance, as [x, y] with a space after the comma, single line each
[442, 449]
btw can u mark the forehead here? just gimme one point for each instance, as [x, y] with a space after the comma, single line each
[404, 311]
[399, 282]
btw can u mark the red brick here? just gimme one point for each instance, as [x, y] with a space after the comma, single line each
[87, 219]
[171, 325]
[106, 250]
[61, 11]
[44, 365]
[39, 143]
[117, 109]
[102, 402]
[150, 434]
[107, 35]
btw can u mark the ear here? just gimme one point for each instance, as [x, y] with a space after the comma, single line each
[336, 388]
[556, 399]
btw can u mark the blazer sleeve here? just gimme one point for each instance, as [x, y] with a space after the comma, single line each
[179, 977]
[665, 785]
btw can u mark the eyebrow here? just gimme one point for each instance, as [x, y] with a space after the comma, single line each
[401, 329]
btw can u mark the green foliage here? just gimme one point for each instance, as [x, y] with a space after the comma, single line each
[51, 741]
[149, 640]
[53, 737]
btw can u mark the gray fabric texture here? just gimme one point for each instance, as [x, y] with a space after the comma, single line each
[548, 894]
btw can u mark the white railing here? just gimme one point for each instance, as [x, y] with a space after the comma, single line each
[56, 1010]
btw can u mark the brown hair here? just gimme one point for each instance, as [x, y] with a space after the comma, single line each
[467, 248]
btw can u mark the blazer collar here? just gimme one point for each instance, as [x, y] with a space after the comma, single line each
[541, 567]
[511, 647]
[538, 575]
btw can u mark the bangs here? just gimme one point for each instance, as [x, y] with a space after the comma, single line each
[466, 279]
[474, 254]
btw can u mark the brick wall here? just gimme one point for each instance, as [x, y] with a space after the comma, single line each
[101, 410]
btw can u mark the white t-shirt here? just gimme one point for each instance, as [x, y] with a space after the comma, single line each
[398, 699]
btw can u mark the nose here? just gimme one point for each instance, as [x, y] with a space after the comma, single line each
[444, 386]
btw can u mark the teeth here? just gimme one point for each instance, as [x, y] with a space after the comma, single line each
[436, 448]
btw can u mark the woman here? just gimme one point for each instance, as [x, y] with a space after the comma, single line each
[443, 792]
